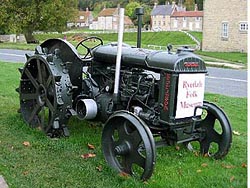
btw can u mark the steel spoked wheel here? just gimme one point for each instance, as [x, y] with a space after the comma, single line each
[43, 101]
[128, 145]
[217, 132]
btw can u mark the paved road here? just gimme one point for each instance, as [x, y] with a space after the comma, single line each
[222, 81]
[14, 56]
[227, 82]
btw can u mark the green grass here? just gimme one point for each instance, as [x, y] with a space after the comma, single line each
[148, 38]
[197, 35]
[58, 163]
[236, 57]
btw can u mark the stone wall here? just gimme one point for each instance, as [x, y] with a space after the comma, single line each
[232, 12]
[12, 38]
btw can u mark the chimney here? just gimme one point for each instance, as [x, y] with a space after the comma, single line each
[87, 9]
[155, 4]
[195, 7]
[173, 4]
[167, 3]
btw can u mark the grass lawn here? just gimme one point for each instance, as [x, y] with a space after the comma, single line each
[29, 159]
[236, 57]
[196, 34]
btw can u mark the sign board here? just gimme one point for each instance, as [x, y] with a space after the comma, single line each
[190, 94]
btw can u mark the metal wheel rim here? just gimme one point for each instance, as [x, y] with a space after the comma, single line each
[223, 139]
[135, 136]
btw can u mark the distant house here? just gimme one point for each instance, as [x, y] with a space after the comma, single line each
[225, 26]
[83, 19]
[108, 19]
[161, 14]
[187, 20]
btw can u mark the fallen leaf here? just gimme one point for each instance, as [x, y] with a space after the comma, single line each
[232, 179]
[90, 146]
[177, 148]
[88, 155]
[99, 168]
[25, 173]
[204, 164]
[206, 155]
[236, 133]
[198, 171]
[124, 175]
[196, 154]
[26, 143]
[227, 166]
[244, 165]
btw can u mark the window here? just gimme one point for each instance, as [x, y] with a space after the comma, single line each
[224, 32]
[159, 23]
[184, 19]
[243, 26]
[197, 18]
[164, 23]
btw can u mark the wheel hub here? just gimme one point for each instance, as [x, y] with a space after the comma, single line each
[123, 149]
[41, 95]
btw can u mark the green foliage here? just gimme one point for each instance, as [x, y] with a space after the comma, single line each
[27, 16]
[130, 9]
[189, 4]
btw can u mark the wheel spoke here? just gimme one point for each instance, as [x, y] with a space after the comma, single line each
[48, 81]
[122, 132]
[127, 164]
[32, 79]
[39, 71]
[135, 138]
[204, 146]
[49, 105]
[34, 113]
[209, 121]
[139, 159]
[216, 137]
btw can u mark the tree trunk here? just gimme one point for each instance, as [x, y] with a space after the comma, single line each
[30, 38]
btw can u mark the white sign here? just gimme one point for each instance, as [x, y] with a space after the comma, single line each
[190, 94]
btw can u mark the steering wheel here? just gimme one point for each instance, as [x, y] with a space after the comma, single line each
[88, 55]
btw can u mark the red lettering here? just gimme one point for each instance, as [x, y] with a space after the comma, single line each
[191, 64]
[166, 96]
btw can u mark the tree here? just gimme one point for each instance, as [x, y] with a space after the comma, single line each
[130, 9]
[199, 4]
[189, 4]
[27, 16]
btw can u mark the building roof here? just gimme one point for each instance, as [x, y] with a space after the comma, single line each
[86, 16]
[162, 10]
[128, 21]
[108, 12]
[188, 14]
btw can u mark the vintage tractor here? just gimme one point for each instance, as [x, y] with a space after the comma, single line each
[146, 99]
[159, 100]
